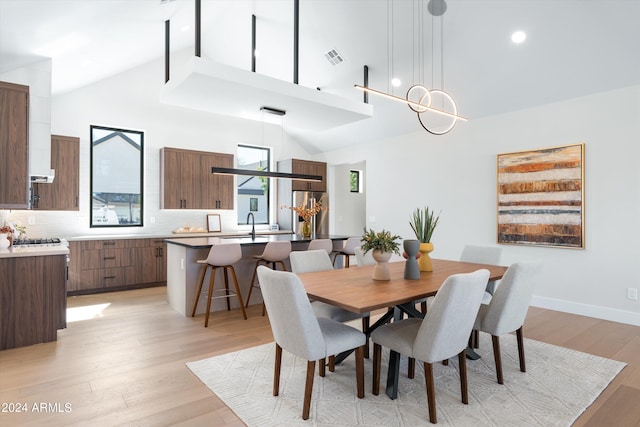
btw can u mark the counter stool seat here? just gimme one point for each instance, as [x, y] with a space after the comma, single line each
[220, 256]
[274, 253]
[348, 250]
[325, 244]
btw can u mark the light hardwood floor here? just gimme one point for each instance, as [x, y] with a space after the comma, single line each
[127, 366]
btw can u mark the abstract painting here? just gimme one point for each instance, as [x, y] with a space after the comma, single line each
[541, 197]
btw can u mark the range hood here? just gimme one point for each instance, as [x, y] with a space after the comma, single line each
[36, 75]
[210, 86]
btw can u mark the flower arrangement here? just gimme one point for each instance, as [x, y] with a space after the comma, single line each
[423, 223]
[306, 213]
[382, 241]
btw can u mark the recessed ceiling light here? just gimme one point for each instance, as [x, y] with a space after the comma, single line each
[518, 37]
[395, 82]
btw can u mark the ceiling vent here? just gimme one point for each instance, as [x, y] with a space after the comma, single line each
[333, 57]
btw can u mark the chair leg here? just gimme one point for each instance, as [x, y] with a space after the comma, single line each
[431, 392]
[332, 363]
[476, 338]
[497, 357]
[276, 370]
[253, 279]
[423, 307]
[238, 294]
[197, 298]
[284, 267]
[411, 369]
[523, 367]
[375, 382]
[226, 288]
[209, 297]
[308, 389]
[365, 328]
[360, 371]
[462, 361]
[322, 366]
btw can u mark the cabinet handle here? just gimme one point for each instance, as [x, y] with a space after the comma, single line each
[109, 257]
[161, 252]
[108, 243]
[156, 252]
[109, 277]
[76, 201]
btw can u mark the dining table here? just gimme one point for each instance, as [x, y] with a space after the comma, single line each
[354, 289]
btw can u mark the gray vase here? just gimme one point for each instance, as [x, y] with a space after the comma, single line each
[411, 269]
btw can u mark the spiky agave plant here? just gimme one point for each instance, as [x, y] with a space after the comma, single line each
[423, 223]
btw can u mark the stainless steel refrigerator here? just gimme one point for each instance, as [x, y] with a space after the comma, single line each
[320, 222]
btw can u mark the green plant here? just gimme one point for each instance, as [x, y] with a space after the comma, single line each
[382, 241]
[423, 223]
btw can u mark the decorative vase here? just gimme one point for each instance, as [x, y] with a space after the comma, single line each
[306, 229]
[411, 268]
[4, 241]
[381, 269]
[425, 261]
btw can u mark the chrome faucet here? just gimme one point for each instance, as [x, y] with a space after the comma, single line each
[253, 225]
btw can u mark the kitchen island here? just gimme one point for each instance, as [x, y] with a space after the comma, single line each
[183, 271]
[33, 299]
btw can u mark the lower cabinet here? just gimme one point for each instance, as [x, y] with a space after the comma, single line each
[106, 265]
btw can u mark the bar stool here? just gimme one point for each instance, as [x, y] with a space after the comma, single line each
[274, 252]
[220, 256]
[325, 244]
[348, 250]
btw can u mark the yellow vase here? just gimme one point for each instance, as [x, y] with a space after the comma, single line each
[306, 229]
[424, 262]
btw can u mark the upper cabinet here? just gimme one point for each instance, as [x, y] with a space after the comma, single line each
[14, 146]
[62, 194]
[186, 181]
[306, 167]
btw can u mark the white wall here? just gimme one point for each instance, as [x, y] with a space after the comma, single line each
[456, 173]
[348, 210]
[131, 101]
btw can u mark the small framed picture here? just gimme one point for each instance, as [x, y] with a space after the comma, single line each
[213, 222]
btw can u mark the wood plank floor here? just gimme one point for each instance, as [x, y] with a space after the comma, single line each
[127, 365]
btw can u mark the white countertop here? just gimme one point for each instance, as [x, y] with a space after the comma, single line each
[174, 235]
[34, 250]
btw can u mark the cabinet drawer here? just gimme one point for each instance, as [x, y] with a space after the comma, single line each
[103, 244]
[105, 258]
[104, 278]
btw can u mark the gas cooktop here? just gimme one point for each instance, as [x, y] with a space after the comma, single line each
[43, 241]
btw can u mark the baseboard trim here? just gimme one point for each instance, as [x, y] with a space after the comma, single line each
[614, 315]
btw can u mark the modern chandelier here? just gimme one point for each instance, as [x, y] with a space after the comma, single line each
[431, 105]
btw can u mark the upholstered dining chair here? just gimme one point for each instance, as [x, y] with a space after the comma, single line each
[507, 310]
[298, 331]
[483, 255]
[318, 260]
[326, 244]
[347, 250]
[443, 333]
[362, 258]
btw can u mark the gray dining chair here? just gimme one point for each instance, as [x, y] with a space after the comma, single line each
[298, 331]
[362, 258]
[318, 260]
[442, 334]
[507, 310]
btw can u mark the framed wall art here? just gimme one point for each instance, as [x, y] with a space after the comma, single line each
[213, 223]
[541, 197]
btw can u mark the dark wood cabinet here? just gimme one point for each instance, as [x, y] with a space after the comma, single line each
[106, 265]
[33, 299]
[63, 193]
[14, 146]
[306, 167]
[186, 181]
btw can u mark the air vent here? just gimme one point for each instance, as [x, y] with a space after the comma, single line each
[333, 57]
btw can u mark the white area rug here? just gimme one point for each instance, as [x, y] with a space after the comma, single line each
[558, 386]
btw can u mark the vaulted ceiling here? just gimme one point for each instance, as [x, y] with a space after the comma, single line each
[573, 48]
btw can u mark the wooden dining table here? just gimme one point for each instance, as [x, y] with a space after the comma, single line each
[355, 290]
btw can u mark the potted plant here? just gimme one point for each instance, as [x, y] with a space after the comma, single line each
[383, 244]
[423, 223]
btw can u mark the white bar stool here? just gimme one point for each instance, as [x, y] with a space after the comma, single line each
[274, 252]
[324, 244]
[348, 250]
[220, 256]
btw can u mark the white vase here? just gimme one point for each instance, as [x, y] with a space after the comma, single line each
[4, 241]
[381, 269]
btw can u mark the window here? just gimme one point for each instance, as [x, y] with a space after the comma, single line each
[354, 181]
[253, 191]
[116, 177]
